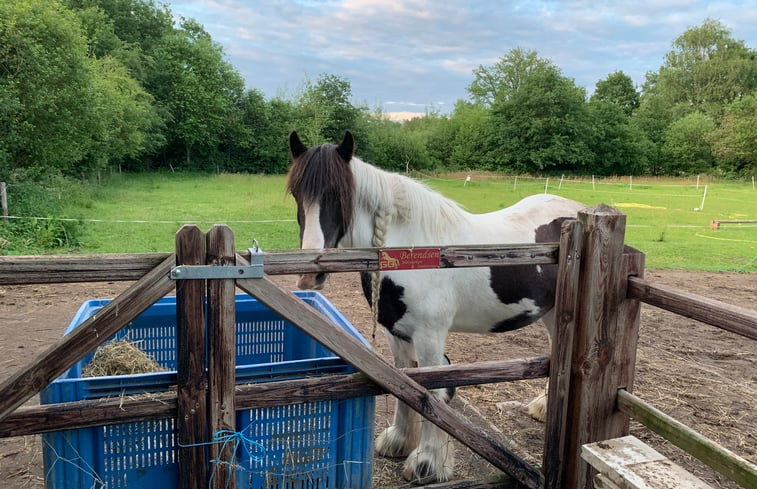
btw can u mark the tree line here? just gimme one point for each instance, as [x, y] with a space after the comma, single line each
[91, 84]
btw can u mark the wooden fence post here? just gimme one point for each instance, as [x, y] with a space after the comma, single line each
[221, 356]
[604, 340]
[566, 304]
[191, 378]
[4, 199]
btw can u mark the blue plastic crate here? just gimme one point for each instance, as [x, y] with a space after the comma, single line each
[320, 445]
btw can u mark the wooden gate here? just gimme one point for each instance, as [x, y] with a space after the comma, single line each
[600, 286]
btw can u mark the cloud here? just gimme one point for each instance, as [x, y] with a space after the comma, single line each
[403, 116]
[425, 51]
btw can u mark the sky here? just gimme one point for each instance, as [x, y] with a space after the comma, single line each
[409, 57]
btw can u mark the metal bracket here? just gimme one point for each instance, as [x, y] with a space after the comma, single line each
[213, 272]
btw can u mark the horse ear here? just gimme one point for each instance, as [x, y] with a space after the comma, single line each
[347, 147]
[295, 145]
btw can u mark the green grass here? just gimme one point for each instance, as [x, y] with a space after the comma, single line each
[142, 212]
[661, 219]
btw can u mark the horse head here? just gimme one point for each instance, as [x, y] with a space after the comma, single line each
[321, 182]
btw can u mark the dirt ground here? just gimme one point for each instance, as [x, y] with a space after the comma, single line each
[704, 377]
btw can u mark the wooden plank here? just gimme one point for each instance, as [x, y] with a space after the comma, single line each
[603, 482]
[221, 356]
[566, 306]
[48, 269]
[21, 386]
[631, 464]
[17, 270]
[191, 378]
[400, 385]
[711, 453]
[100, 412]
[715, 224]
[597, 357]
[732, 318]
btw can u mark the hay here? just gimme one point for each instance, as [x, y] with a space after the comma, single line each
[120, 357]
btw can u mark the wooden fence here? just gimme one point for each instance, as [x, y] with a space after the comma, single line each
[600, 287]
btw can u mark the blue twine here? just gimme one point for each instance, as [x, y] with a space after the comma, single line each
[224, 437]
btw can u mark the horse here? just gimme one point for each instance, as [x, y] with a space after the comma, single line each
[343, 201]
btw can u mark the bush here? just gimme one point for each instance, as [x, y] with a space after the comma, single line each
[36, 209]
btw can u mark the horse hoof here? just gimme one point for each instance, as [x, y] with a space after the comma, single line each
[537, 408]
[427, 467]
[390, 443]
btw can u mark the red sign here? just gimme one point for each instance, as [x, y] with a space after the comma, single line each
[409, 259]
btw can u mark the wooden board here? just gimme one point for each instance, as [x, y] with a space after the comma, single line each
[17, 270]
[604, 339]
[190, 359]
[100, 412]
[632, 464]
[732, 318]
[221, 337]
[713, 454]
[566, 307]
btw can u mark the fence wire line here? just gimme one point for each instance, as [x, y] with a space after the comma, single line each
[143, 221]
[272, 221]
[600, 180]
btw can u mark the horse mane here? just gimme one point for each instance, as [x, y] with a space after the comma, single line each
[319, 171]
[405, 200]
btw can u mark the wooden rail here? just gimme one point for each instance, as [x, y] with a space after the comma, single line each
[710, 311]
[719, 458]
[126, 409]
[715, 223]
[19, 270]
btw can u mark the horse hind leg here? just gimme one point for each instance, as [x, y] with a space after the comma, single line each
[537, 408]
[403, 435]
[433, 460]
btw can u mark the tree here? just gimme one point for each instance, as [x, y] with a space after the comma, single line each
[46, 88]
[618, 89]
[706, 70]
[734, 143]
[505, 77]
[390, 145]
[198, 89]
[124, 121]
[686, 149]
[542, 125]
[471, 148]
[619, 147]
[326, 111]
[259, 145]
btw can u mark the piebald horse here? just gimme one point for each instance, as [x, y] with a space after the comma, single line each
[343, 201]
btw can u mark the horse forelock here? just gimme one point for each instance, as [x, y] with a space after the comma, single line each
[321, 176]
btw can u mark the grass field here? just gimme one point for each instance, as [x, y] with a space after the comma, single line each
[140, 213]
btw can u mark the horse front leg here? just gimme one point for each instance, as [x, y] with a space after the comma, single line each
[433, 460]
[537, 408]
[402, 436]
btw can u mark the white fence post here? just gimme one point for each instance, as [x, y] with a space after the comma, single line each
[4, 199]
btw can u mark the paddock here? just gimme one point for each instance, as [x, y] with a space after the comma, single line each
[608, 297]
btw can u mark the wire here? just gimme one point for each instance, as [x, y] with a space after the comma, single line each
[70, 219]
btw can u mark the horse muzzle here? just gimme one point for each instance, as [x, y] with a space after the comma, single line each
[311, 281]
